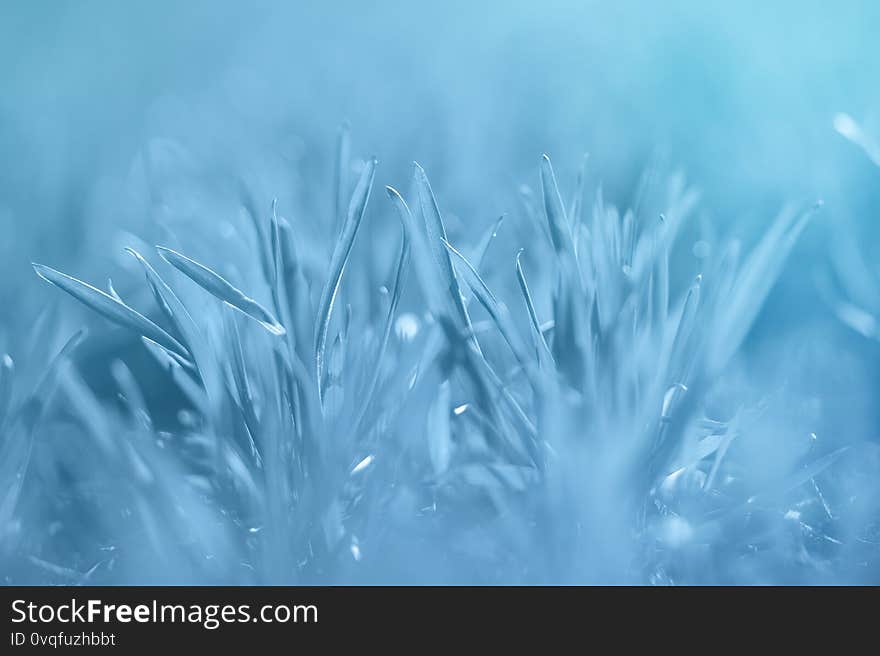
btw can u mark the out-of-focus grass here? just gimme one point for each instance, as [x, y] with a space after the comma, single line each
[578, 425]
[576, 393]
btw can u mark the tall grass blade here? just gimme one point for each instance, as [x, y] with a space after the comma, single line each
[220, 288]
[7, 374]
[753, 284]
[543, 349]
[497, 310]
[341, 254]
[397, 289]
[482, 247]
[678, 360]
[340, 183]
[426, 274]
[110, 308]
[17, 440]
[557, 222]
[436, 232]
[243, 387]
[170, 305]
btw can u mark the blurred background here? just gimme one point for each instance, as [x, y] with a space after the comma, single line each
[124, 116]
[149, 118]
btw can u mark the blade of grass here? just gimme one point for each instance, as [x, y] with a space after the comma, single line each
[497, 310]
[7, 374]
[340, 186]
[753, 284]
[245, 395]
[16, 447]
[436, 232]
[171, 306]
[687, 321]
[557, 222]
[110, 308]
[543, 349]
[341, 254]
[397, 290]
[220, 288]
[482, 247]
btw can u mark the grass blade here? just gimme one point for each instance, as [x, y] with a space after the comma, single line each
[541, 343]
[18, 438]
[219, 287]
[7, 373]
[678, 355]
[343, 157]
[560, 232]
[399, 281]
[341, 254]
[479, 254]
[243, 387]
[426, 274]
[754, 282]
[110, 308]
[496, 309]
[169, 303]
[436, 236]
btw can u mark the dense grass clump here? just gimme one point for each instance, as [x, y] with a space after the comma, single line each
[540, 402]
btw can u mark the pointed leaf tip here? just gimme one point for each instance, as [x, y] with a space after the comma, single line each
[109, 307]
[220, 288]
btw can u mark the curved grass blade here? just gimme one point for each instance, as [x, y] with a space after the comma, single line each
[343, 157]
[425, 273]
[112, 290]
[110, 308]
[341, 254]
[168, 302]
[542, 345]
[577, 203]
[16, 447]
[296, 288]
[686, 323]
[479, 254]
[436, 236]
[399, 281]
[245, 395]
[278, 282]
[560, 231]
[7, 372]
[219, 287]
[275, 245]
[496, 310]
[205, 363]
[757, 277]
[249, 204]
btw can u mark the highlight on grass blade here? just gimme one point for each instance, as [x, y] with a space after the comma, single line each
[167, 300]
[544, 352]
[754, 281]
[110, 307]
[399, 281]
[436, 232]
[341, 254]
[220, 288]
[560, 231]
[496, 309]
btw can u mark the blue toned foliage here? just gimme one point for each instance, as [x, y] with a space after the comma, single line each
[658, 366]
